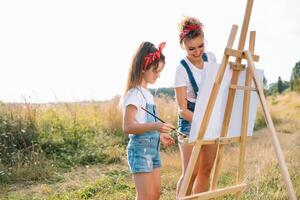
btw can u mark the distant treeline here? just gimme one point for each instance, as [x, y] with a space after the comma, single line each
[160, 92]
[282, 85]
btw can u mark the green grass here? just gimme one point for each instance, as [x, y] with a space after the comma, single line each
[114, 185]
[77, 151]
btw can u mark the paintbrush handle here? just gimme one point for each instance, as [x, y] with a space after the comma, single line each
[161, 120]
[153, 115]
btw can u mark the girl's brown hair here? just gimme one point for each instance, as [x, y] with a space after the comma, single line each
[135, 70]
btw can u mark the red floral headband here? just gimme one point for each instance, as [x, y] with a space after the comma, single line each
[151, 57]
[187, 29]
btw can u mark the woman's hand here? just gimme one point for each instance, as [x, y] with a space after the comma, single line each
[164, 127]
[166, 139]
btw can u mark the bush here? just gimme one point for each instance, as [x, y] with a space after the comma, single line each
[260, 121]
[17, 134]
[21, 155]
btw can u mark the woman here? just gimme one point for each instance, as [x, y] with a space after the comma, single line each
[189, 75]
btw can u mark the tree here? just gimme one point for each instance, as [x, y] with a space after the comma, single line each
[265, 83]
[158, 92]
[279, 85]
[273, 89]
[282, 85]
[265, 86]
[295, 77]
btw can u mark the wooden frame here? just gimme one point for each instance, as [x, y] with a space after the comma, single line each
[239, 54]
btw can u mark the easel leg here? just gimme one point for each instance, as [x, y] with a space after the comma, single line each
[225, 127]
[274, 139]
[217, 169]
[245, 118]
[189, 176]
[231, 93]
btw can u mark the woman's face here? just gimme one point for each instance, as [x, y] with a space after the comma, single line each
[150, 75]
[194, 47]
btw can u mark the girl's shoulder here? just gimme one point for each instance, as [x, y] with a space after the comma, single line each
[132, 93]
[131, 97]
[138, 94]
[147, 95]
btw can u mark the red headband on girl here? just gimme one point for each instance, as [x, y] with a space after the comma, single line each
[187, 29]
[151, 57]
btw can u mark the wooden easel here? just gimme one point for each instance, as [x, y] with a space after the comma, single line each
[239, 54]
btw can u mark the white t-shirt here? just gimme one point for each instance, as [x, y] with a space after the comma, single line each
[135, 97]
[182, 79]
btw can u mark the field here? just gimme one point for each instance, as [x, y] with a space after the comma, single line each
[77, 151]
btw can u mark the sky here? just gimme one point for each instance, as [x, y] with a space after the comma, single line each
[71, 50]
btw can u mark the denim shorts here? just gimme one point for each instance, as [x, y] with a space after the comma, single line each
[184, 126]
[143, 153]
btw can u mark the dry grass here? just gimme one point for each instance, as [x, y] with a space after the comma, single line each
[286, 106]
[167, 109]
[260, 163]
[74, 180]
[261, 170]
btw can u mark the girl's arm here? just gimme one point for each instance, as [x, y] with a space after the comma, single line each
[182, 103]
[131, 126]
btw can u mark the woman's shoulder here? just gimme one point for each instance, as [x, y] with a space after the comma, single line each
[180, 67]
[211, 56]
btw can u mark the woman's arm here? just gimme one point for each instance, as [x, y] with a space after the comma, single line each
[131, 126]
[182, 103]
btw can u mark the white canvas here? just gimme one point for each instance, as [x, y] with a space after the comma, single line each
[215, 123]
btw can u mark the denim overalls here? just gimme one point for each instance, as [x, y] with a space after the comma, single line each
[143, 149]
[184, 126]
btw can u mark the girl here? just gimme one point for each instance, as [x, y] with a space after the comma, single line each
[144, 130]
[189, 75]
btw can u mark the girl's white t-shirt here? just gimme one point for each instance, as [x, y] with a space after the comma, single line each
[135, 97]
[182, 79]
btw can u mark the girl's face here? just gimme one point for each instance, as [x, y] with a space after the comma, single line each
[194, 48]
[150, 75]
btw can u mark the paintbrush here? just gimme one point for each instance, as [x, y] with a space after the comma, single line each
[178, 132]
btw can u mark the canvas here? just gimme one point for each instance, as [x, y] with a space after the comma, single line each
[215, 123]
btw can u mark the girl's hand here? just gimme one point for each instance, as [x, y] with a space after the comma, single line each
[166, 139]
[164, 127]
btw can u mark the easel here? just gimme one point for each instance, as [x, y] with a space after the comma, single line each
[239, 54]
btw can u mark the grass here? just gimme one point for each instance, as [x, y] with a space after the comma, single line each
[37, 141]
[79, 152]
